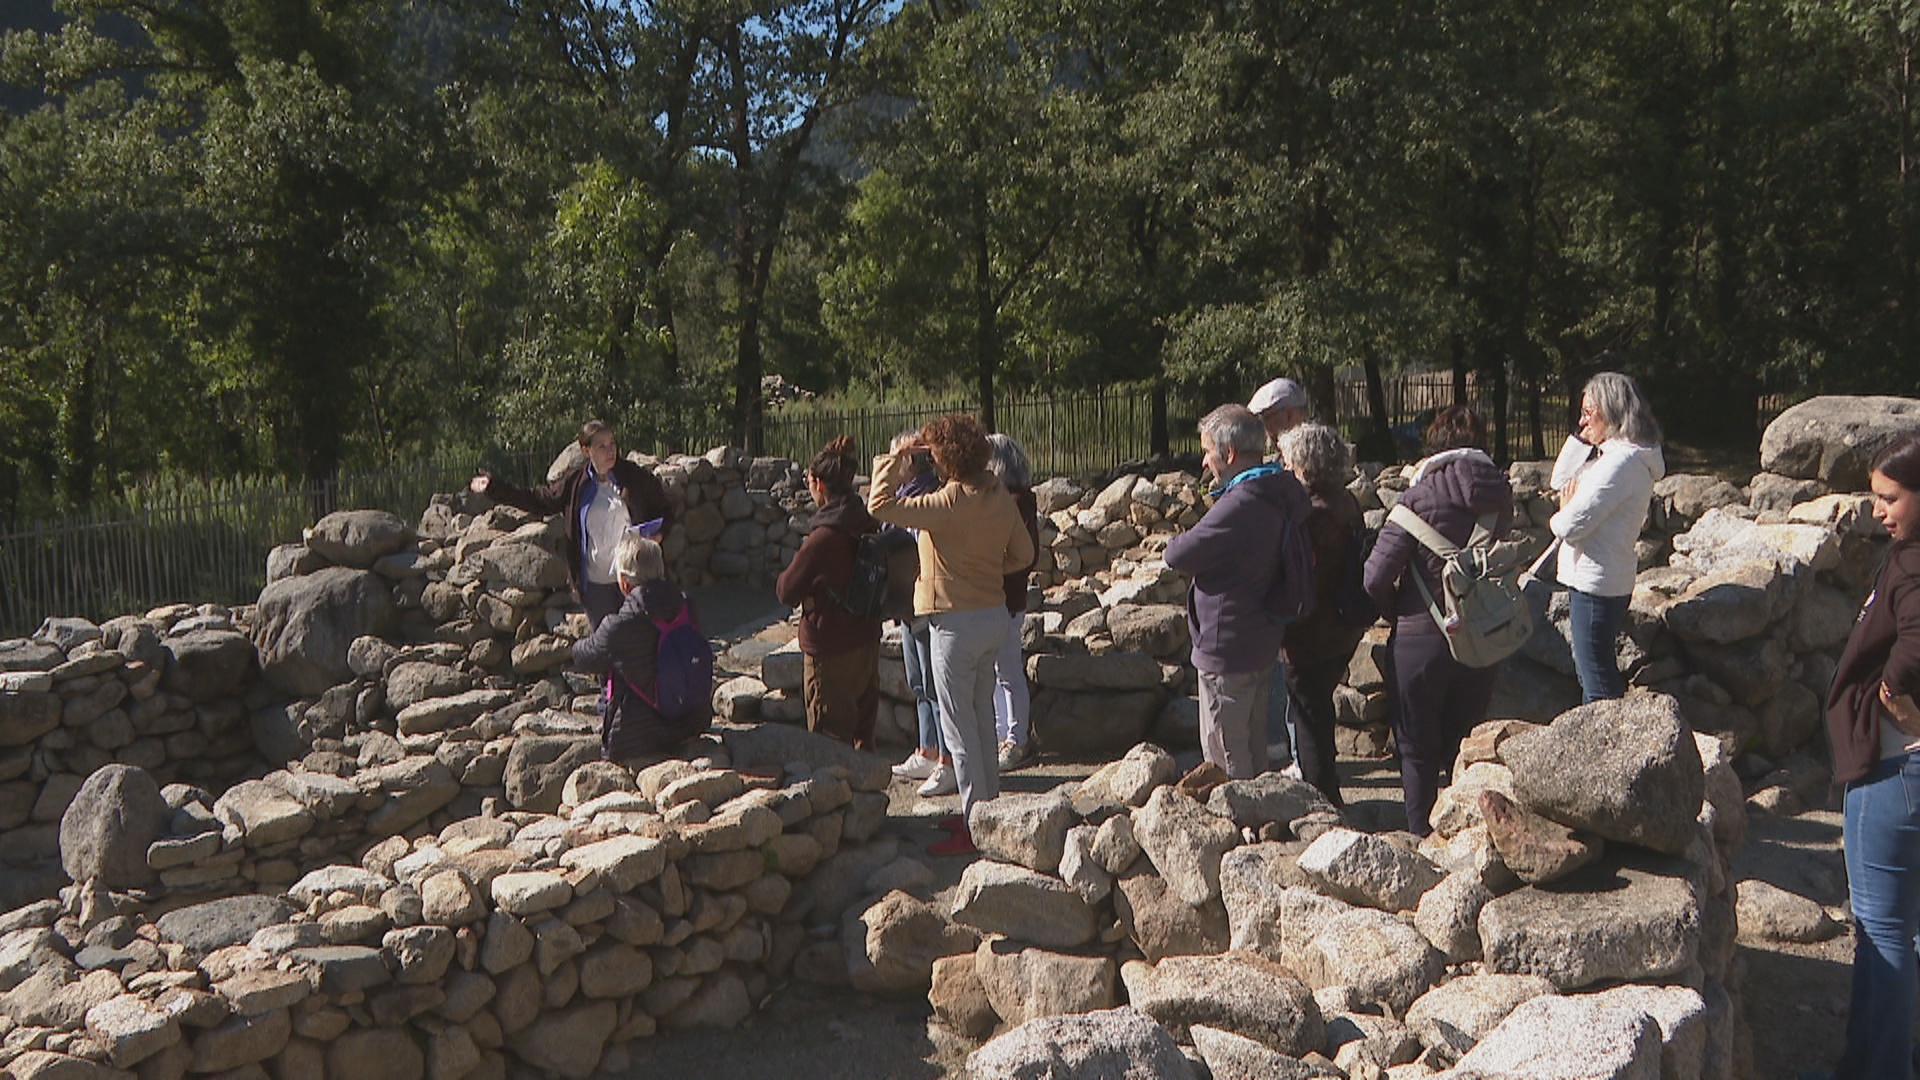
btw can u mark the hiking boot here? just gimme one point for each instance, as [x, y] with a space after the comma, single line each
[942, 782]
[1013, 755]
[918, 766]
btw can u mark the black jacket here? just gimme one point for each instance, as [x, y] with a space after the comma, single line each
[646, 499]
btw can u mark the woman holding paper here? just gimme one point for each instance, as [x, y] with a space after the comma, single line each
[1605, 475]
[602, 496]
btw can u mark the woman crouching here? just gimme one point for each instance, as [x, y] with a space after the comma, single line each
[642, 713]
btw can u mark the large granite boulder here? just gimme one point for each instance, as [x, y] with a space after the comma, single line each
[207, 664]
[358, 538]
[1551, 1037]
[304, 625]
[108, 826]
[538, 767]
[1019, 903]
[1832, 438]
[1625, 769]
[1607, 922]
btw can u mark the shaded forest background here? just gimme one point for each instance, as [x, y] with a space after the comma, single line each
[292, 236]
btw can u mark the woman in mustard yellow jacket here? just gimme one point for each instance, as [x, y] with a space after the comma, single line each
[971, 536]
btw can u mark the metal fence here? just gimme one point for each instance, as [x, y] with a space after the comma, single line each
[209, 547]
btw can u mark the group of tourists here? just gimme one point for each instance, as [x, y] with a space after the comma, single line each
[962, 502]
[1256, 663]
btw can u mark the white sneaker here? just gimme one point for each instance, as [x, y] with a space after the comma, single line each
[918, 766]
[942, 782]
[1013, 755]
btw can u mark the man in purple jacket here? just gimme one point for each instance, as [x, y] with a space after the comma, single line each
[1233, 557]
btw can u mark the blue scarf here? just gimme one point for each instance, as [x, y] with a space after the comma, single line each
[1265, 469]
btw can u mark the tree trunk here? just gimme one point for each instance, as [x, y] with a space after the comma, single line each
[986, 333]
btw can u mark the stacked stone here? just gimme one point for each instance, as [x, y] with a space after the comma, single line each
[163, 691]
[1584, 862]
[668, 898]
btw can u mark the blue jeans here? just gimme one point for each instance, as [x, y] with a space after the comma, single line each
[1883, 883]
[917, 653]
[1596, 625]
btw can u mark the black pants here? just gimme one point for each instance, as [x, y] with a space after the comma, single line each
[1312, 688]
[1437, 700]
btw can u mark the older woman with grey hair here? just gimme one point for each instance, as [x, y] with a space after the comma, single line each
[1320, 644]
[1012, 702]
[1605, 475]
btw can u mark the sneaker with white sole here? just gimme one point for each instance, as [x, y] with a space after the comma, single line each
[942, 782]
[918, 766]
[1013, 755]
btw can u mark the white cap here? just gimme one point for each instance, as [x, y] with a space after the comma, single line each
[1278, 394]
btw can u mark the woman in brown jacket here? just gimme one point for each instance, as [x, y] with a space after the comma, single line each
[840, 651]
[1875, 730]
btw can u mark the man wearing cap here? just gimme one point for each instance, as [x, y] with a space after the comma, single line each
[1281, 404]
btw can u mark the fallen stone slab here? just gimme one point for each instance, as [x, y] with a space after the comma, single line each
[1566, 1038]
[1024, 984]
[1116, 1044]
[1236, 991]
[1022, 904]
[1608, 922]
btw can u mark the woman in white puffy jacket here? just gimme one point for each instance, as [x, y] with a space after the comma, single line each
[1605, 474]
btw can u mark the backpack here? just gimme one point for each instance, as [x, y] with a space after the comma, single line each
[867, 591]
[1291, 596]
[1485, 618]
[1355, 607]
[683, 666]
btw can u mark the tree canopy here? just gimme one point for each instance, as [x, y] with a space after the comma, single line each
[285, 235]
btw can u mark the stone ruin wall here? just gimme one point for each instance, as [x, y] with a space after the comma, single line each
[403, 755]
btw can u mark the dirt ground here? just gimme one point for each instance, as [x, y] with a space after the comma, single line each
[1795, 995]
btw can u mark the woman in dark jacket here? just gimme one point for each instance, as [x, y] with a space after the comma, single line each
[625, 647]
[1320, 645]
[1875, 730]
[602, 496]
[1436, 699]
[840, 651]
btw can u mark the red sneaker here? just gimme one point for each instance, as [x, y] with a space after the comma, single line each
[952, 822]
[960, 843]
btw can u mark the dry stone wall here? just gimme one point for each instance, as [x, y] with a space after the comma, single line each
[360, 825]
[1574, 903]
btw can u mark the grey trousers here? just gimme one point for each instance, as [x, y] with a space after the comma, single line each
[964, 646]
[1233, 721]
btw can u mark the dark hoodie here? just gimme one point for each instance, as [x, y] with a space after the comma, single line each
[1454, 490]
[820, 571]
[626, 643]
[1233, 557]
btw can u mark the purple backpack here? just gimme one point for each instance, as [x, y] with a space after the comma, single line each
[683, 663]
